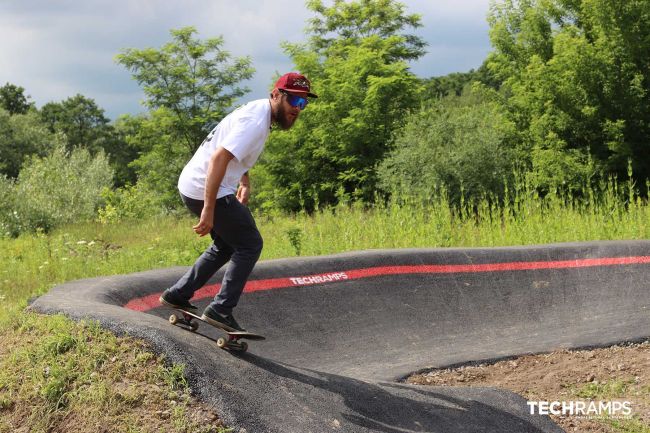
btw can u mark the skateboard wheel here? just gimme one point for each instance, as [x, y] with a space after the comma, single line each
[221, 343]
[173, 319]
[194, 326]
[244, 346]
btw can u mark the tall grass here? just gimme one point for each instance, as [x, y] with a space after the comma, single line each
[606, 212]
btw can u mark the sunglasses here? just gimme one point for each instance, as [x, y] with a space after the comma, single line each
[295, 101]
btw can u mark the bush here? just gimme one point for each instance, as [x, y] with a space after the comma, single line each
[130, 202]
[462, 145]
[9, 221]
[61, 188]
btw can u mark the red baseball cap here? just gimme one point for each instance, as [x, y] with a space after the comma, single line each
[294, 82]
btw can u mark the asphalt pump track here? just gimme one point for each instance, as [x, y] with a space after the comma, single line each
[343, 330]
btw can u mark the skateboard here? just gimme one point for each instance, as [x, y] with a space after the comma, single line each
[231, 342]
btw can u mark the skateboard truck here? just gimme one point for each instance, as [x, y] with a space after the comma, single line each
[186, 320]
[231, 342]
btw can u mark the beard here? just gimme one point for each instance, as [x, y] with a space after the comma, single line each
[284, 119]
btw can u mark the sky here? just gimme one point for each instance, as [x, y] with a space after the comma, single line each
[56, 49]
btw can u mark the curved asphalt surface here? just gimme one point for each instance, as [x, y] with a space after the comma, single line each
[342, 330]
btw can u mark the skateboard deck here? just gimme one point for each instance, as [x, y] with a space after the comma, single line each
[188, 319]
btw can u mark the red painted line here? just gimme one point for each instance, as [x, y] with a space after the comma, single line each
[151, 301]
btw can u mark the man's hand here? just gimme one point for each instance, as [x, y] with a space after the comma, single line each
[244, 190]
[205, 223]
[243, 193]
[216, 170]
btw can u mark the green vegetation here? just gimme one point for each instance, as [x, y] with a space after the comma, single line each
[461, 144]
[78, 377]
[630, 426]
[606, 390]
[14, 100]
[576, 80]
[560, 104]
[21, 135]
[60, 188]
[615, 390]
[80, 120]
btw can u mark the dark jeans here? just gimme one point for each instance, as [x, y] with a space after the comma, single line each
[237, 239]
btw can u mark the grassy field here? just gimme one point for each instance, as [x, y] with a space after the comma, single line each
[54, 373]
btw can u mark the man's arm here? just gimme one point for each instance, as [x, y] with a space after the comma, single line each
[244, 190]
[216, 171]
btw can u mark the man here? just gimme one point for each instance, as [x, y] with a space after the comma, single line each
[215, 186]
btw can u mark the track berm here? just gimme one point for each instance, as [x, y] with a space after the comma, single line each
[343, 330]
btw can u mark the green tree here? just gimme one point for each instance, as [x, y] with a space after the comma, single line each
[197, 81]
[80, 119]
[122, 149]
[162, 155]
[84, 124]
[356, 58]
[21, 135]
[345, 24]
[578, 77]
[456, 82]
[462, 145]
[13, 99]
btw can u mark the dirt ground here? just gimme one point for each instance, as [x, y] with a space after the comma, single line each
[618, 373]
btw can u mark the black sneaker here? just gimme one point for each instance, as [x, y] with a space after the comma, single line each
[169, 299]
[227, 323]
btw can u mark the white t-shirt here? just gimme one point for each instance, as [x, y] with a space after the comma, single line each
[243, 133]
